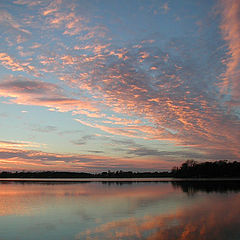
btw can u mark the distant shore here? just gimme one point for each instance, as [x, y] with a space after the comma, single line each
[48, 175]
[190, 169]
[83, 175]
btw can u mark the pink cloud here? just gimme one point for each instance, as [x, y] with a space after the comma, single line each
[19, 159]
[15, 65]
[7, 19]
[230, 27]
[38, 93]
[168, 93]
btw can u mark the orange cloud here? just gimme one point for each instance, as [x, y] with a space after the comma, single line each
[230, 27]
[170, 106]
[52, 7]
[20, 144]
[185, 119]
[10, 63]
[168, 92]
[23, 159]
[28, 92]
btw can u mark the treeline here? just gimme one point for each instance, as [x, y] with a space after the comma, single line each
[189, 169]
[217, 169]
[109, 174]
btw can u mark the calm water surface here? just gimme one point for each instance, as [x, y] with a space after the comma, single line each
[120, 210]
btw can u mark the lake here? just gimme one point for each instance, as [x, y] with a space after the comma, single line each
[161, 210]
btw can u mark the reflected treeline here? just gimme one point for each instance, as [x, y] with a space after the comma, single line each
[221, 186]
[217, 169]
[120, 183]
[42, 182]
[67, 182]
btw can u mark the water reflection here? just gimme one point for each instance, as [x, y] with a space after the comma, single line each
[143, 210]
[192, 187]
[212, 219]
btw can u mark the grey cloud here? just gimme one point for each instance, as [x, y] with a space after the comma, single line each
[79, 142]
[3, 115]
[95, 151]
[124, 142]
[133, 149]
[32, 87]
[83, 140]
[45, 129]
[69, 132]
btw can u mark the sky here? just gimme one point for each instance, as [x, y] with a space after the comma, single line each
[98, 85]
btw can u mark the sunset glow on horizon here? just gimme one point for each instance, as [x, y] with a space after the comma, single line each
[138, 85]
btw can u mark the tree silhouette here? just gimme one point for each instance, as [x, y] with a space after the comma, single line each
[193, 169]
